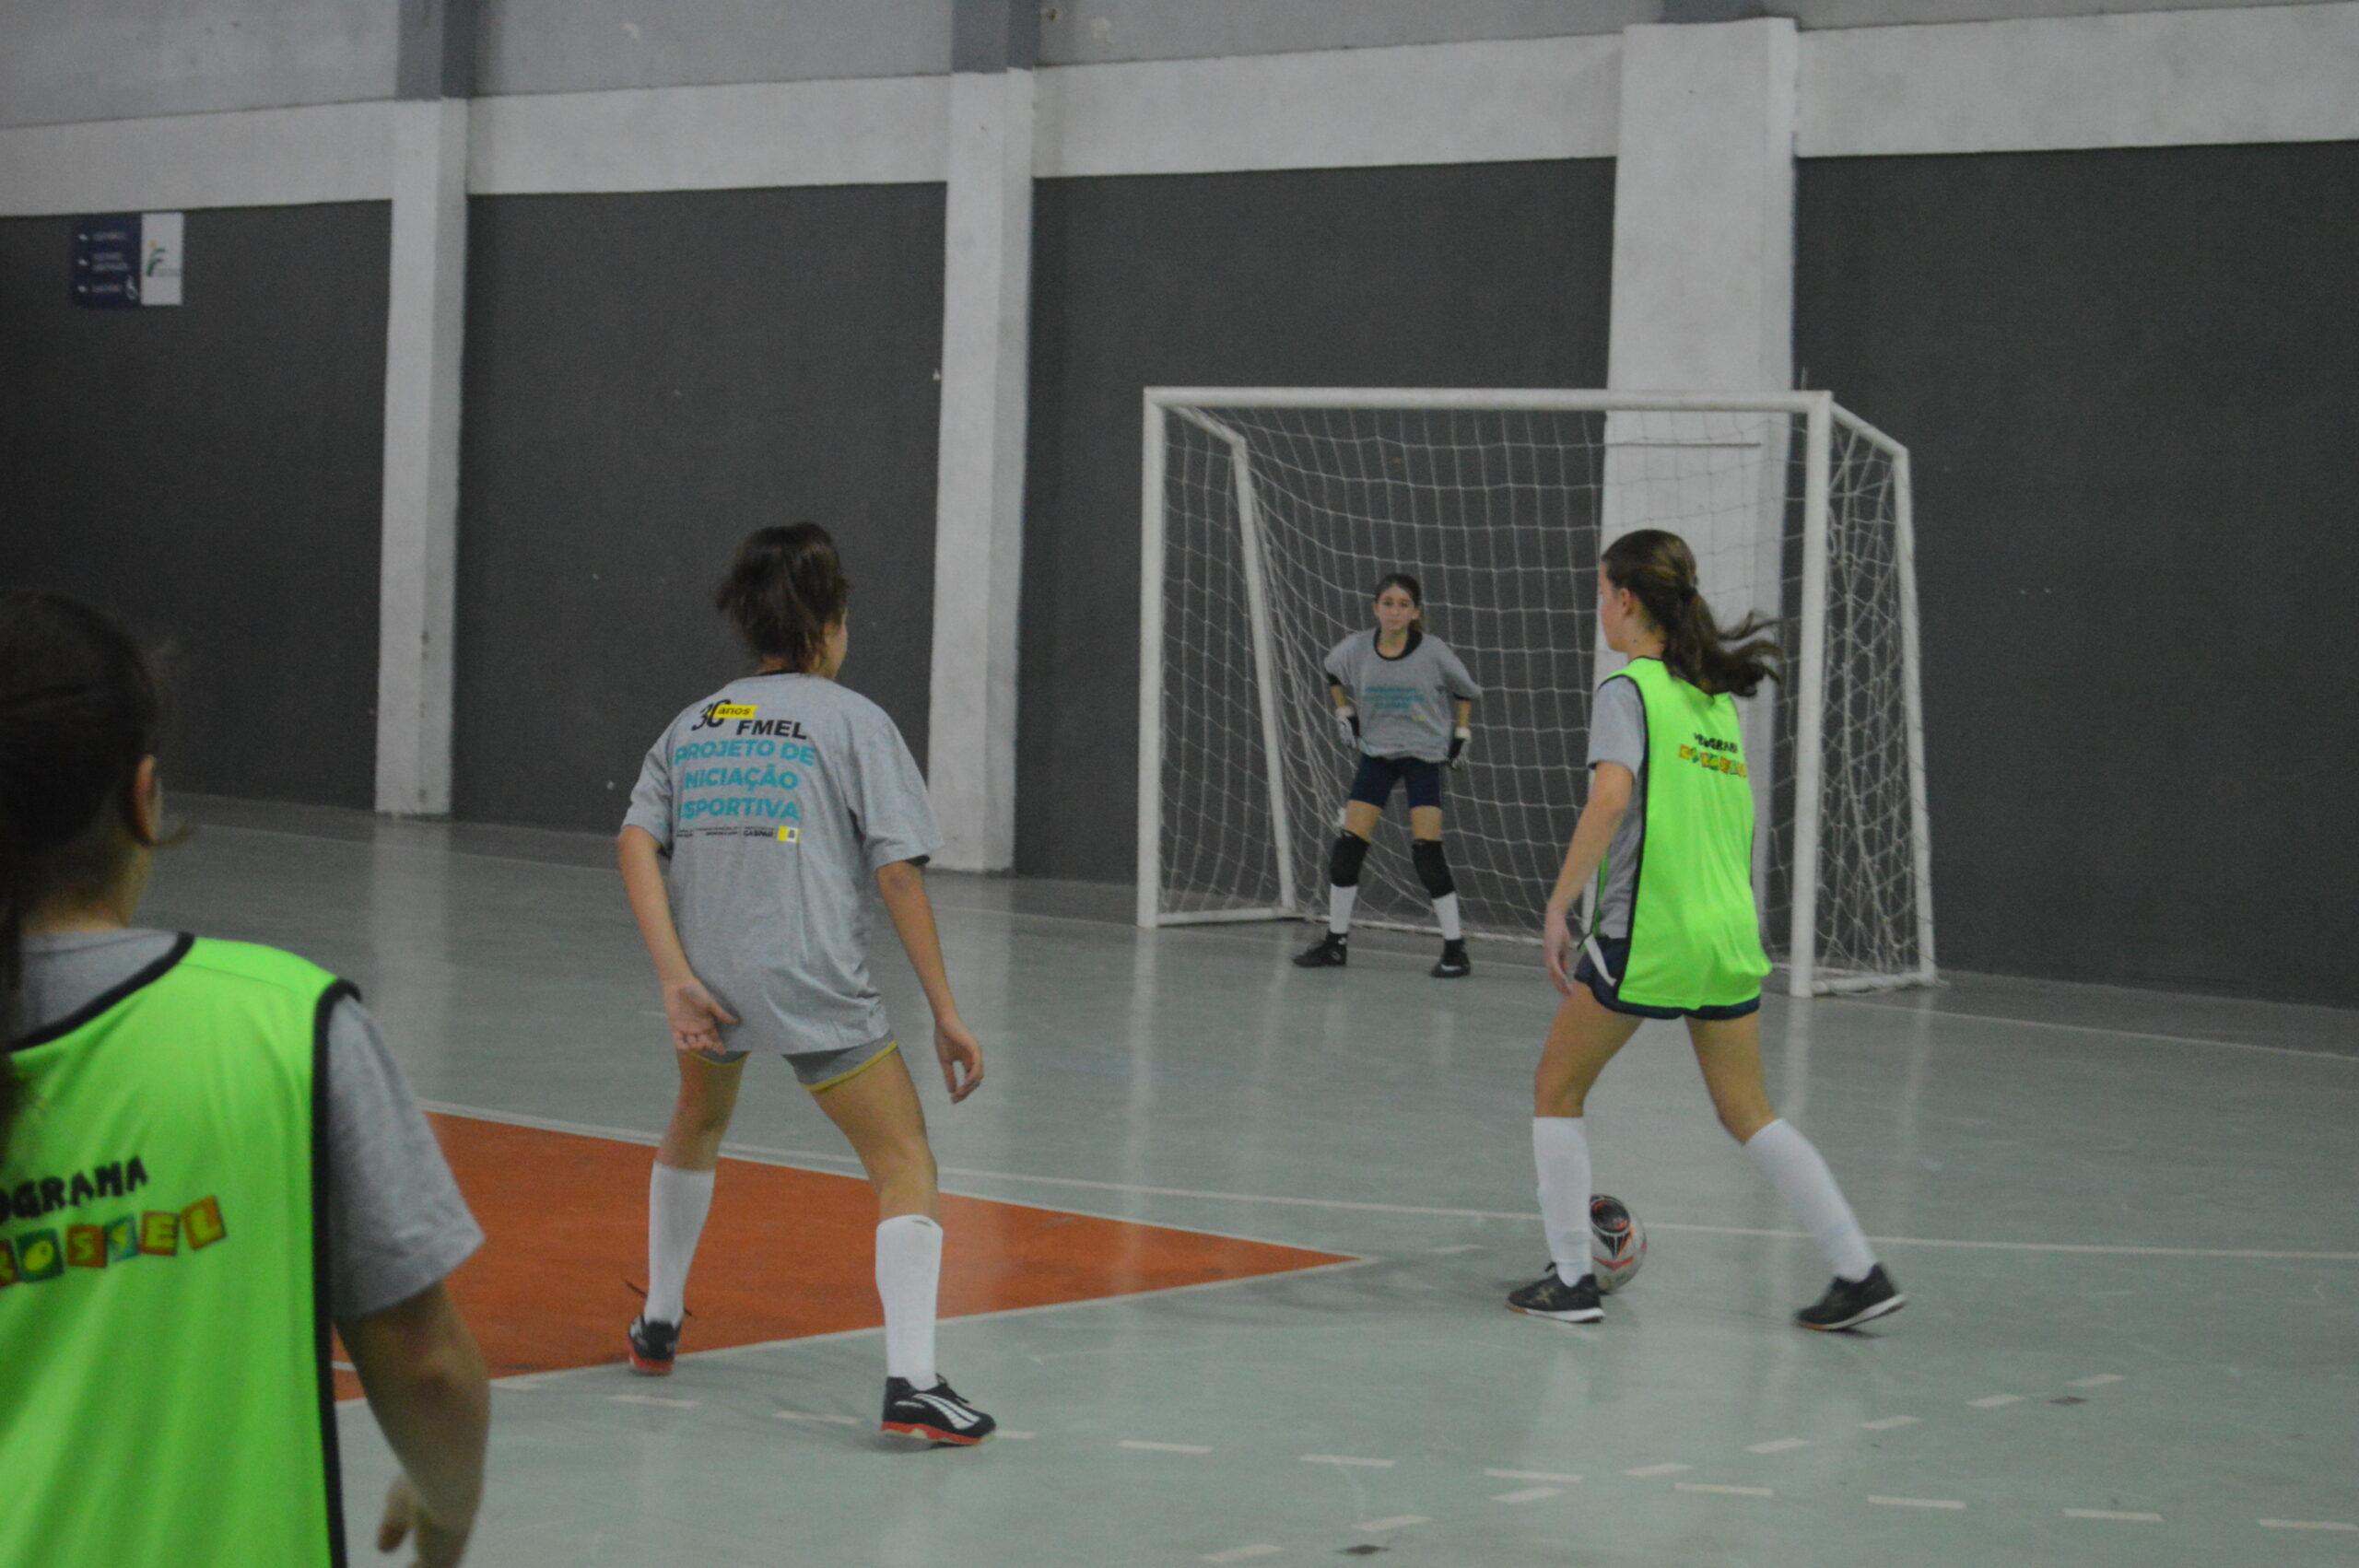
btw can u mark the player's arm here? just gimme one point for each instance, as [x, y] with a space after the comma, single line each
[1463, 732]
[901, 884]
[424, 1381]
[1346, 713]
[1609, 800]
[687, 1006]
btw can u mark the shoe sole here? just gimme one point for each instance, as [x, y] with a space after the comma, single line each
[647, 1368]
[1592, 1315]
[1449, 974]
[1881, 1309]
[931, 1434]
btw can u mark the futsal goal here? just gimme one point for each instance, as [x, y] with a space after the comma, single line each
[1268, 516]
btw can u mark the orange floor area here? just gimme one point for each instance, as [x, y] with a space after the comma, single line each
[785, 1254]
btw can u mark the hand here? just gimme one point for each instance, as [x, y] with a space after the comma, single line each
[957, 1050]
[1557, 947]
[695, 1016]
[1349, 717]
[1457, 757]
[439, 1545]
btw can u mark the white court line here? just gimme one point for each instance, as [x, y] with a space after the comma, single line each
[1348, 1460]
[1724, 1490]
[2099, 1381]
[815, 1415]
[816, 1159]
[1782, 1446]
[1017, 1436]
[1888, 1423]
[1454, 1251]
[2097, 1029]
[1917, 1502]
[1992, 1402]
[1163, 1447]
[1530, 1475]
[654, 1399]
[1648, 1472]
[2114, 1515]
[1240, 1553]
[1530, 1495]
[2305, 1525]
[1398, 1522]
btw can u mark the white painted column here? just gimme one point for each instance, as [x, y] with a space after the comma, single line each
[1704, 302]
[424, 329]
[978, 515]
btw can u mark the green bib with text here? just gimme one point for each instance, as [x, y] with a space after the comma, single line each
[1695, 932]
[165, 1391]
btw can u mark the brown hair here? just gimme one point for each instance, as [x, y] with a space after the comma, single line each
[80, 705]
[1407, 585]
[783, 591]
[1660, 569]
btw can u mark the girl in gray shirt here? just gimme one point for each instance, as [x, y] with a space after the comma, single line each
[758, 816]
[1405, 700]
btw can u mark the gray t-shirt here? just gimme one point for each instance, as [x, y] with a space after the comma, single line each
[396, 1222]
[777, 800]
[1405, 703]
[1617, 732]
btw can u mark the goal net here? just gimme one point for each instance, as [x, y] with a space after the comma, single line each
[1270, 515]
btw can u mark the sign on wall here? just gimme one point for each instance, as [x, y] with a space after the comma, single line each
[126, 258]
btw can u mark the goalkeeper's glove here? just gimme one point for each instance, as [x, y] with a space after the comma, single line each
[1349, 717]
[1457, 740]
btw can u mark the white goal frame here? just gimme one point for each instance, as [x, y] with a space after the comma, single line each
[1820, 415]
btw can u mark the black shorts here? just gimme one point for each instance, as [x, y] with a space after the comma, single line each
[1607, 992]
[1373, 783]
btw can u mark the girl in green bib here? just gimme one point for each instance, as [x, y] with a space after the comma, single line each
[1668, 837]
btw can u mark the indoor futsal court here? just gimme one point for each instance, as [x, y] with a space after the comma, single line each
[1341, 773]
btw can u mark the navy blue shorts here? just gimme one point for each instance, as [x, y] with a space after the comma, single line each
[1373, 783]
[1617, 958]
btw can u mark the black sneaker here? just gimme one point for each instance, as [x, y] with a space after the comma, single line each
[1848, 1303]
[1332, 953]
[936, 1414]
[652, 1346]
[1453, 965]
[1549, 1297]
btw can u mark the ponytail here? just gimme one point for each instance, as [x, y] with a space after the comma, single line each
[1660, 569]
[80, 706]
[785, 590]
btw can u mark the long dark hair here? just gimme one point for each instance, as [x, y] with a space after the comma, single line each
[80, 705]
[783, 591]
[1660, 569]
[1407, 585]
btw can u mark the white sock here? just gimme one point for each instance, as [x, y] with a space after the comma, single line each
[676, 1203]
[1446, 910]
[1339, 909]
[1794, 1166]
[1560, 1152]
[909, 1267]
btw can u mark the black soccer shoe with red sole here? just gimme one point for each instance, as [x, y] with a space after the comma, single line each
[652, 1346]
[1850, 1303]
[1548, 1297]
[936, 1414]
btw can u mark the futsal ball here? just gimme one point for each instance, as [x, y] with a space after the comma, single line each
[1617, 1243]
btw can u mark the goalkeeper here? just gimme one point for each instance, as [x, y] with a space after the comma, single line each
[1405, 700]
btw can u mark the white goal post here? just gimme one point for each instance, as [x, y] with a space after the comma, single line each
[1267, 516]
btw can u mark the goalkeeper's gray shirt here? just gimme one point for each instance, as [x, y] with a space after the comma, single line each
[1404, 701]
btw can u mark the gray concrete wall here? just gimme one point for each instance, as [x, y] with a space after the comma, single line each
[532, 46]
[62, 61]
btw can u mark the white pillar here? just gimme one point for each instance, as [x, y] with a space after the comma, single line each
[979, 514]
[424, 325]
[1703, 300]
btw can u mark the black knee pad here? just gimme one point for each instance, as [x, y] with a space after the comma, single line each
[1433, 868]
[1343, 865]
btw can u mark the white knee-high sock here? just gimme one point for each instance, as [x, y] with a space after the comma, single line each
[1446, 911]
[1560, 1152]
[1794, 1166]
[677, 1202]
[1340, 901]
[908, 1269]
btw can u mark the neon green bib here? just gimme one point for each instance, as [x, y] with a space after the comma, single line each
[1695, 933]
[165, 1396]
